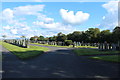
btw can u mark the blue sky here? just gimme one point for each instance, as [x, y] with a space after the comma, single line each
[49, 18]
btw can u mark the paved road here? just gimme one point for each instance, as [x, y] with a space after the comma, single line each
[57, 63]
[0, 61]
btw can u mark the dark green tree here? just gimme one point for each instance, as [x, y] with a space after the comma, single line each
[105, 35]
[41, 38]
[61, 37]
[92, 34]
[116, 34]
[53, 38]
[32, 39]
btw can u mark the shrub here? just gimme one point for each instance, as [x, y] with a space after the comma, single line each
[68, 42]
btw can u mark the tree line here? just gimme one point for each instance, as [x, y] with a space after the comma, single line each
[92, 35]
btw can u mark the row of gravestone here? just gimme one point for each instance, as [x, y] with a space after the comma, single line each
[63, 43]
[101, 46]
[52, 43]
[108, 46]
[18, 42]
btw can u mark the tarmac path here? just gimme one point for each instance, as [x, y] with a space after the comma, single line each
[57, 63]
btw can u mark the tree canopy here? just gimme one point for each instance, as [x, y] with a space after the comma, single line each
[92, 35]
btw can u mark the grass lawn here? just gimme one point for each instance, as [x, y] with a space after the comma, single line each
[65, 46]
[0, 42]
[92, 52]
[24, 53]
[113, 58]
[86, 47]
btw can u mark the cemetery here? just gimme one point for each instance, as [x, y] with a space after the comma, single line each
[21, 51]
[81, 46]
[59, 39]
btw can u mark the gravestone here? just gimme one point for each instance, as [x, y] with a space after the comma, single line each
[105, 46]
[113, 47]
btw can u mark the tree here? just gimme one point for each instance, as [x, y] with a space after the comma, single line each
[46, 39]
[35, 38]
[32, 39]
[38, 39]
[53, 38]
[92, 34]
[41, 38]
[23, 37]
[4, 36]
[61, 37]
[75, 36]
[116, 34]
[68, 42]
[104, 35]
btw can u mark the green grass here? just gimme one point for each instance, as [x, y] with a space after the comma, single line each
[113, 58]
[65, 46]
[24, 53]
[86, 47]
[0, 42]
[80, 52]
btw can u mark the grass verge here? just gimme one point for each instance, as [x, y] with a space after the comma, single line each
[24, 53]
[80, 52]
[0, 42]
[113, 58]
[86, 47]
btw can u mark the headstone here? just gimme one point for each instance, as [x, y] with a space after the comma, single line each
[110, 46]
[113, 47]
[105, 46]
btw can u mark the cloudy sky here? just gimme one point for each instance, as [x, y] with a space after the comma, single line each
[49, 18]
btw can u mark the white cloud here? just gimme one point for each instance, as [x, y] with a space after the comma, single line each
[48, 20]
[111, 6]
[45, 25]
[28, 10]
[103, 17]
[26, 28]
[38, 0]
[7, 27]
[110, 20]
[8, 15]
[14, 31]
[55, 26]
[45, 19]
[13, 36]
[74, 19]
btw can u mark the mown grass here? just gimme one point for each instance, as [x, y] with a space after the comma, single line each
[86, 47]
[113, 58]
[64, 46]
[80, 52]
[0, 42]
[25, 53]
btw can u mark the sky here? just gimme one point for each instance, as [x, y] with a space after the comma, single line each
[49, 18]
